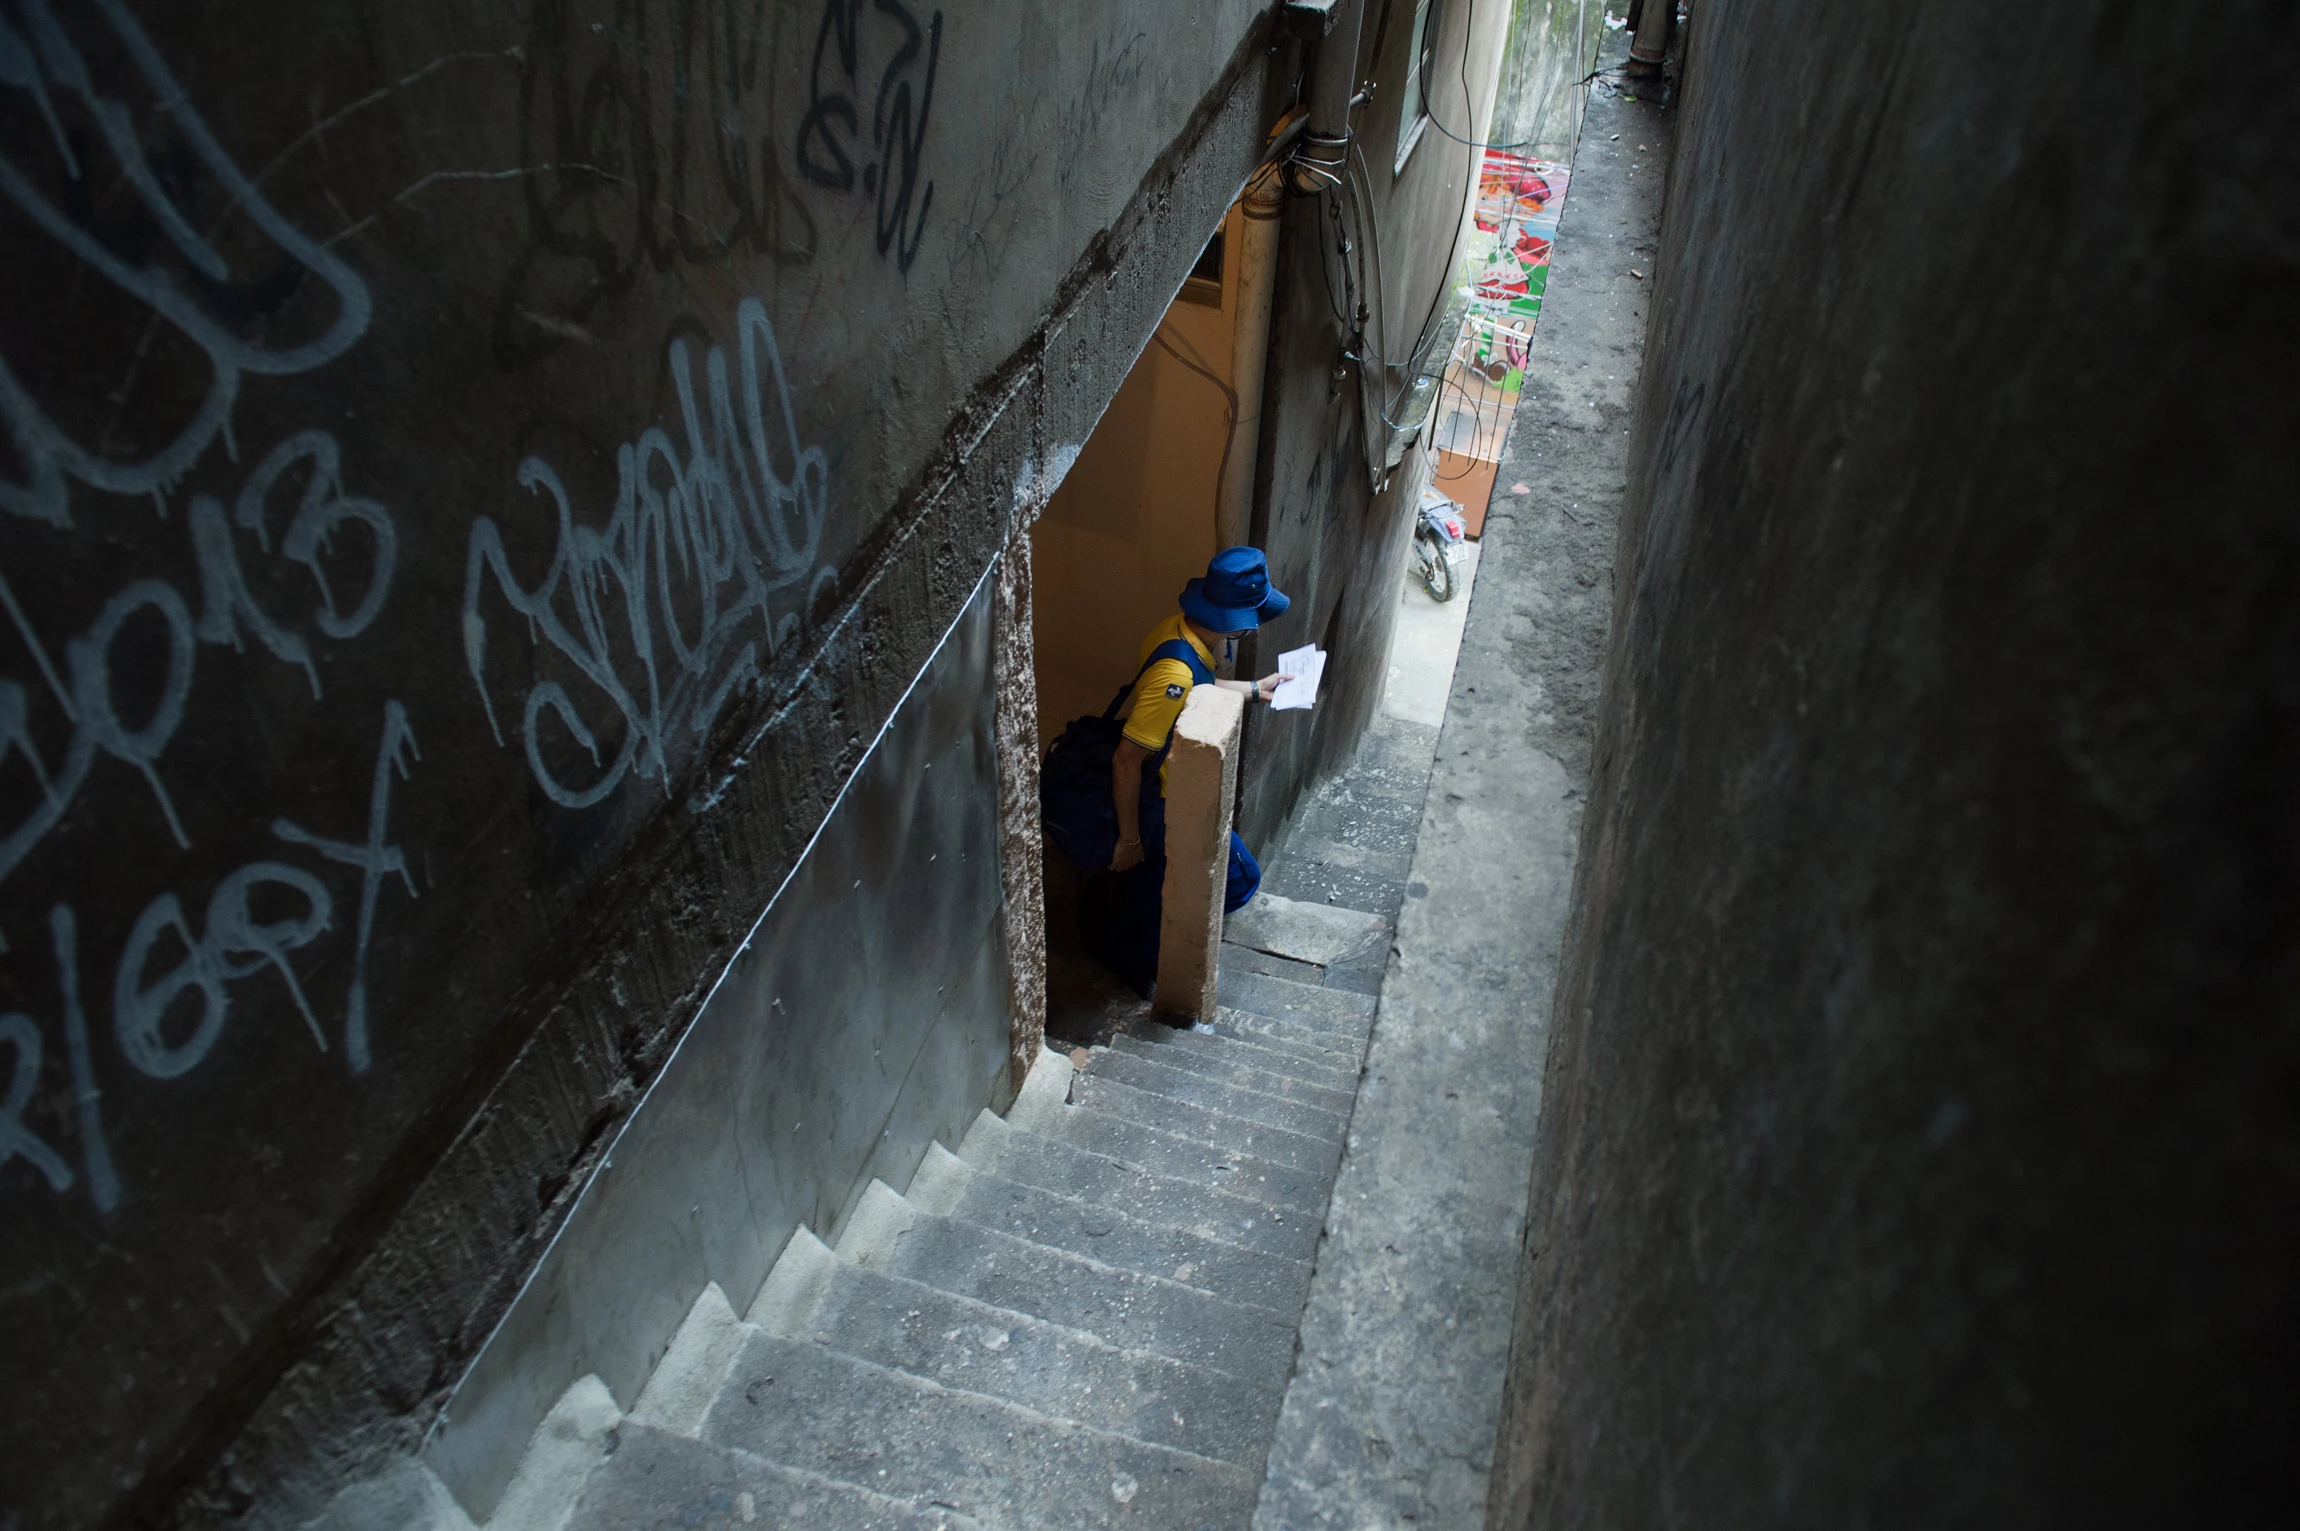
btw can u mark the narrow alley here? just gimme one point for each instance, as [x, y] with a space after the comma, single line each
[1302, 765]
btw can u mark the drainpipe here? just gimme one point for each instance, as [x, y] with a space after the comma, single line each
[1264, 200]
[1334, 77]
[1652, 23]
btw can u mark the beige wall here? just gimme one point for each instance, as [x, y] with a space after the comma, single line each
[1134, 518]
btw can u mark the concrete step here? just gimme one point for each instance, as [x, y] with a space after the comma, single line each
[1142, 1222]
[1148, 1071]
[1058, 1371]
[657, 1479]
[1265, 1031]
[1280, 1191]
[1102, 1104]
[1251, 1205]
[1127, 1308]
[809, 1407]
[1335, 1011]
[1380, 817]
[1184, 1049]
[1170, 1138]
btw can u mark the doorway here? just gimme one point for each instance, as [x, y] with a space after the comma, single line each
[1135, 518]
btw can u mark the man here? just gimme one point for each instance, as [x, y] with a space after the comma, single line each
[1232, 599]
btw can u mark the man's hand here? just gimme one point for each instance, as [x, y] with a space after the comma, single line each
[1267, 687]
[1126, 764]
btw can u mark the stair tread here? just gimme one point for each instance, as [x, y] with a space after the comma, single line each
[1103, 1105]
[1129, 1148]
[1282, 998]
[807, 1406]
[1232, 1084]
[1160, 1224]
[1059, 1371]
[657, 1479]
[1218, 1051]
[1133, 1309]
[1270, 1031]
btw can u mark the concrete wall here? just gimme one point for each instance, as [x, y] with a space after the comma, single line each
[476, 480]
[1919, 1129]
[1335, 545]
[1134, 517]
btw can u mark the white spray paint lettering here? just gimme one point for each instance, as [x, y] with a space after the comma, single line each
[734, 513]
[197, 964]
[44, 64]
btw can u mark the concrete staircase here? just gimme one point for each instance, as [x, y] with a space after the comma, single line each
[1084, 1317]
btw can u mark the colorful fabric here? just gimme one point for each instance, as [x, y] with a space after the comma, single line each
[1518, 202]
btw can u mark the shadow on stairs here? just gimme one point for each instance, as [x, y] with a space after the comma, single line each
[1084, 1317]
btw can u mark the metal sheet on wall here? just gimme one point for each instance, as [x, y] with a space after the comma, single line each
[864, 1017]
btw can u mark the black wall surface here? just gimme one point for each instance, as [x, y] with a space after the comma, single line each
[475, 478]
[1921, 1143]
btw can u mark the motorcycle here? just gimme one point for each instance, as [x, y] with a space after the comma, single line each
[1440, 541]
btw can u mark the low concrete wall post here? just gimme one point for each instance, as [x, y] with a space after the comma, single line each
[1201, 781]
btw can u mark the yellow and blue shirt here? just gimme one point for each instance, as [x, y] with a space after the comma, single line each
[1162, 689]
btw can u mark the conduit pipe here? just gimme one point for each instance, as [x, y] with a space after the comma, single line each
[1334, 75]
[1260, 206]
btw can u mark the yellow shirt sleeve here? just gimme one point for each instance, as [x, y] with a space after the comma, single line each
[1158, 699]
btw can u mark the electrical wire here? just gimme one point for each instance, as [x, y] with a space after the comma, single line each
[1229, 414]
[1344, 191]
[1470, 28]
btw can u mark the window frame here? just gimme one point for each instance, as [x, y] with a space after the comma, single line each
[1414, 111]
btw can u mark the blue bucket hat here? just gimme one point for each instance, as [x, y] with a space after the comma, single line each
[1235, 596]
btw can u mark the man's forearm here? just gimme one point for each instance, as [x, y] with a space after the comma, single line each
[1126, 793]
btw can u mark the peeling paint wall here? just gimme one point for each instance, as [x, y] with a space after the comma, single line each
[476, 480]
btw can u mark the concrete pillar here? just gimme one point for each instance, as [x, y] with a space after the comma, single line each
[1201, 781]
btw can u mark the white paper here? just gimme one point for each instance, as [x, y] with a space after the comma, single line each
[1307, 666]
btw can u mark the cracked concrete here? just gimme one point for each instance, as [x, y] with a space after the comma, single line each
[1391, 1413]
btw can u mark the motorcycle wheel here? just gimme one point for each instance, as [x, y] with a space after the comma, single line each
[1437, 574]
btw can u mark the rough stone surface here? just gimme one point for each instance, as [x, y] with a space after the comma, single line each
[1183, 1127]
[1132, 1308]
[1277, 1054]
[1021, 849]
[959, 1342]
[1201, 785]
[1095, 1194]
[1238, 1090]
[656, 1481]
[1319, 934]
[1263, 1068]
[1339, 1014]
[1391, 1414]
[1346, 1049]
[1250, 1189]
[810, 1407]
[1920, 1132]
